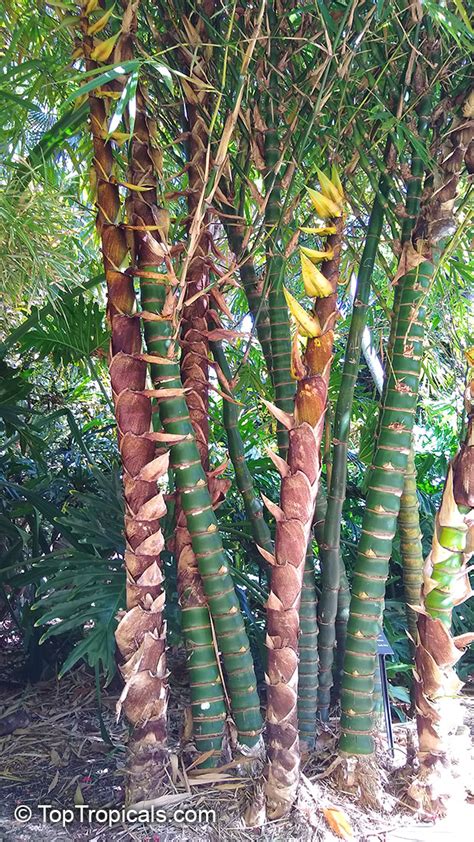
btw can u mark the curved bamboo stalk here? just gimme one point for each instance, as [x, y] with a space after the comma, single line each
[140, 634]
[258, 306]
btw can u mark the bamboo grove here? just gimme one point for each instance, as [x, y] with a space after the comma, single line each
[250, 221]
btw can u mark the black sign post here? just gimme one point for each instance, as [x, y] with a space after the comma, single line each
[384, 649]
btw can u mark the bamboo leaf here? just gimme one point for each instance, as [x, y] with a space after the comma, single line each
[109, 74]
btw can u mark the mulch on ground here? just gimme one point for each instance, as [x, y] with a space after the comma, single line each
[57, 756]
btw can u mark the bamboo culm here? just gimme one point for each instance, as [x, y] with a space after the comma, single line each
[411, 549]
[385, 487]
[331, 549]
[308, 652]
[157, 286]
[141, 632]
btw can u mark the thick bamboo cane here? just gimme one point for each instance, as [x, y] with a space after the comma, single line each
[141, 631]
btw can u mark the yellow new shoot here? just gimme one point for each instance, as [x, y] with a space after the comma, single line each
[315, 284]
[325, 207]
[316, 256]
[337, 181]
[329, 189]
[324, 231]
[308, 324]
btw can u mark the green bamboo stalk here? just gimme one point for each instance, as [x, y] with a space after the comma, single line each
[331, 547]
[308, 640]
[411, 549]
[230, 414]
[159, 303]
[307, 650]
[342, 618]
[207, 695]
[280, 333]
[320, 515]
[385, 487]
[202, 524]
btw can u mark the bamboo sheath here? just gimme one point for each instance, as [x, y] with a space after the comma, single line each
[446, 584]
[141, 631]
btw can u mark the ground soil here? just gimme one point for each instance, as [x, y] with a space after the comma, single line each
[57, 756]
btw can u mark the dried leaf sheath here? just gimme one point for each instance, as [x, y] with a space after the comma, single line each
[194, 325]
[141, 631]
[299, 486]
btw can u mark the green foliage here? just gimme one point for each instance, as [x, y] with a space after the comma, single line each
[65, 337]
